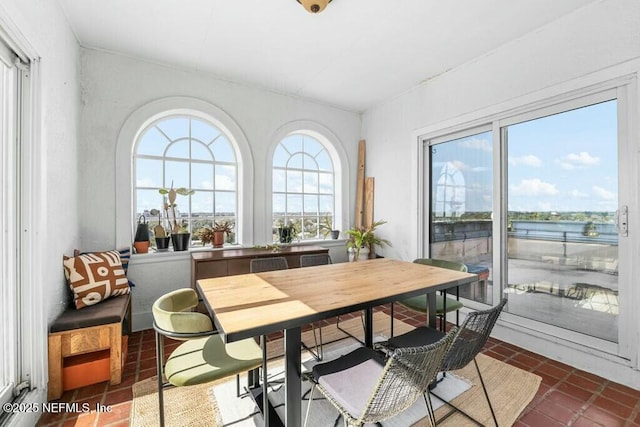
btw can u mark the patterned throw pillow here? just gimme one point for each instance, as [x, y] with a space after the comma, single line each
[94, 277]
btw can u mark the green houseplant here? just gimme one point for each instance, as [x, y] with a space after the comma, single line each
[215, 234]
[365, 237]
[180, 234]
[326, 227]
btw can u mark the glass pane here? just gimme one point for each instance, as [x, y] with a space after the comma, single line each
[200, 151]
[176, 173]
[295, 161]
[309, 163]
[279, 180]
[310, 205]
[202, 176]
[326, 183]
[462, 207]
[147, 200]
[201, 204]
[148, 173]
[294, 205]
[179, 149]
[280, 157]
[324, 161]
[562, 239]
[225, 177]
[152, 143]
[310, 182]
[225, 204]
[203, 131]
[279, 201]
[199, 223]
[223, 150]
[311, 146]
[294, 182]
[310, 227]
[326, 205]
[174, 128]
[293, 143]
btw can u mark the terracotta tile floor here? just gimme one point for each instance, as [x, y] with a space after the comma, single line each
[567, 396]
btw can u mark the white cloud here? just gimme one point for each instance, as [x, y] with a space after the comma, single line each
[603, 194]
[534, 187]
[577, 194]
[460, 165]
[478, 144]
[580, 160]
[527, 160]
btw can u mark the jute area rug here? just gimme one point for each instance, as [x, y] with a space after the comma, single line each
[511, 389]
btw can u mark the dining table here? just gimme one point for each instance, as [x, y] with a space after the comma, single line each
[258, 304]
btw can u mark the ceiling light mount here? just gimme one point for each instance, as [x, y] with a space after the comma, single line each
[314, 6]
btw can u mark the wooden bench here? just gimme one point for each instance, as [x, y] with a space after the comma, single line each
[82, 339]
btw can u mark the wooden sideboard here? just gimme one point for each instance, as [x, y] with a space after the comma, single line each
[229, 262]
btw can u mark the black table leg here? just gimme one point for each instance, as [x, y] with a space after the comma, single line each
[368, 327]
[431, 303]
[292, 380]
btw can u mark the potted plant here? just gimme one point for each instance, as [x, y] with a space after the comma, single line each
[160, 234]
[363, 240]
[216, 233]
[180, 235]
[326, 228]
[141, 239]
[287, 232]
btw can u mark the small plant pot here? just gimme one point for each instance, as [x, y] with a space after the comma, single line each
[162, 243]
[218, 239]
[181, 241]
[335, 234]
[286, 235]
[141, 247]
[364, 254]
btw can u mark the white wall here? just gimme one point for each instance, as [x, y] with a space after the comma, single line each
[113, 87]
[41, 29]
[593, 38]
[44, 26]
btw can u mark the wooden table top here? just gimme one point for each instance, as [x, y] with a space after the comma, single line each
[254, 304]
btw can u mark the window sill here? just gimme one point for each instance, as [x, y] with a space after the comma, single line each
[173, 256]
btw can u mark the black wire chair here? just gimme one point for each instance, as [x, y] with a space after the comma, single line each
[365, 388]
[471, 338]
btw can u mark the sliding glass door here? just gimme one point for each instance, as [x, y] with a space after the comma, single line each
[534, 203]
[461, 206]
[562, 193]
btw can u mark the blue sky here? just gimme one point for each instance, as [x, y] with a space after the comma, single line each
[565, 162]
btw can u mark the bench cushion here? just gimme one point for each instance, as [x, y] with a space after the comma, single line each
[112, 310]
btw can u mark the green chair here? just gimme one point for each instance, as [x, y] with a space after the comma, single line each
[444, 305]
[203, 356]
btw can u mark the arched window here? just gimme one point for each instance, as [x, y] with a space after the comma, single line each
[189, 152]
[303, 187]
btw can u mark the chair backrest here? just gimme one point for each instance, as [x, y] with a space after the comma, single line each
[451, 265]
[314, 259]
[170, 313]
[473, 335]
[406, 376]
[258, 265]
